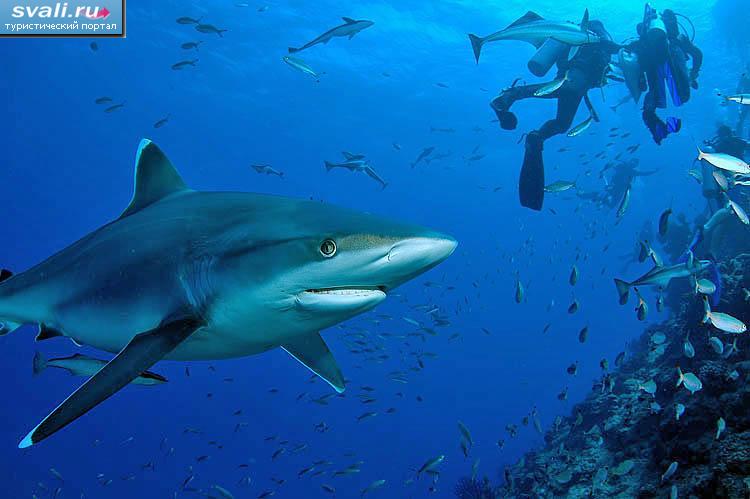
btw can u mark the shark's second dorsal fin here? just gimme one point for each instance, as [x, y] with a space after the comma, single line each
[530, 16]
[155, 178]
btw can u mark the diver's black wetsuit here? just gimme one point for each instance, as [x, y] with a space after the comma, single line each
[663, 57]
[582, 73]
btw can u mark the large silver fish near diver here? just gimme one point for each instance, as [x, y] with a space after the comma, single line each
[536, 30]
[189, 275]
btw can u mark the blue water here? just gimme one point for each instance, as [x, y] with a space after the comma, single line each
[67, 169]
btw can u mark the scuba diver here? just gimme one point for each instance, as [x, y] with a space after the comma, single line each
[662, 53]
[583, 72]
[743, 88]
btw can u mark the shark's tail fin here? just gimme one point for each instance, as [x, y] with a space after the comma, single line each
[329, 165]
[6, 325]
[39, 364]
[623, 290]
[476, 45]
[292, 50]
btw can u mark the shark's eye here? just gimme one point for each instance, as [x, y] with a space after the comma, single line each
[328, 248]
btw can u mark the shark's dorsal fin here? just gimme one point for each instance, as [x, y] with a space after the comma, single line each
[349, 20]
[530, 16]
[312, 352]
[585, 21]
[155, 178]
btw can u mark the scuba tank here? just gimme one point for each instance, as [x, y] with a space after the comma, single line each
[652, 22]
[655, 34]
[548, 54]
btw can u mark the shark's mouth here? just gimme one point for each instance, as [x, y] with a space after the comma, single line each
[341, 299]
[349, 291]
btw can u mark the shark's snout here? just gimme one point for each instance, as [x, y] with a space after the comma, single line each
[415, 255]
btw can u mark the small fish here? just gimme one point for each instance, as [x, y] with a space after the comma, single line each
[162, 122]
[465, 434]
[223, 493]
[648, 387]
[301, 66]
[687, 347]
[689, 380]
[642, 307]
[519, 291]
[560, 186]
[573, 279]
[664, 222]
[721, 321]
[670, 471]
[573, 308]
[191, 45]
[716, 345]
[679, 410]
[724, 162]
[423, 155]
[737, 210]
[430, 464]
[374, 485]
[103, 100]
[551, 87]
[721, 425]
[82, 365]
[188, 20]
[112, 109]
[581, 127]
[583, 334]
[209, 28]
[624, 203]
[183, 64]
[268, 170]
[721, 180]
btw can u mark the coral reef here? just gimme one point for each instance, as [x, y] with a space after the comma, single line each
[621, 440]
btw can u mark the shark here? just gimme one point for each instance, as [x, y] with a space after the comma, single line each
[661, 276]
[189, 275]
[534, 29]
[350, 28]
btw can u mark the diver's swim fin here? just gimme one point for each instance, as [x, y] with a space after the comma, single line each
[143, 351]
[531, 182]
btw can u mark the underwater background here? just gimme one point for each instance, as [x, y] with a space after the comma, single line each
[67, 168]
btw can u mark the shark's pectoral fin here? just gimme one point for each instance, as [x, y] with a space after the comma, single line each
[143, 351]
[311, 351]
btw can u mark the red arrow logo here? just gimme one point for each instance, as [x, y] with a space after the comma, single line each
[102, 13]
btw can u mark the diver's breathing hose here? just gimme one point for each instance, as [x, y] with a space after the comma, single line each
[692, 26]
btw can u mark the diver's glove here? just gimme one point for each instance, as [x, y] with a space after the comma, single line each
[694, 79]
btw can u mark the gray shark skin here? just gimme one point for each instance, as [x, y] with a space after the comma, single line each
[661, 277]
[188, 275]
[534, 29]
[350, 28]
